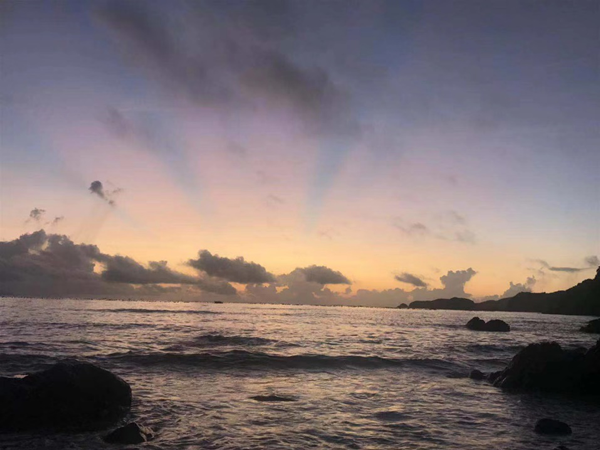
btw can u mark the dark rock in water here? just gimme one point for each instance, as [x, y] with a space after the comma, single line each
[402, 306]
[593, 326]
[494, 375]
[547, 367]
[69, 396]
[477, 375]
[552, 426]
[478, 324]
[497, 325]
[272, 398]
[132, 433]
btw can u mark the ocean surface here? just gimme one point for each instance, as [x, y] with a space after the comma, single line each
[357, 378]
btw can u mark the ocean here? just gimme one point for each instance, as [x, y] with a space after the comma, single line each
[354, 378]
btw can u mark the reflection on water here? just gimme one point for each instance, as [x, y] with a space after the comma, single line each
[357, 377]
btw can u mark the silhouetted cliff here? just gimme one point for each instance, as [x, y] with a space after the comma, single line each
[582, 299]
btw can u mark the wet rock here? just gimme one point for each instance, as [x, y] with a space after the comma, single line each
[593, 326]
[494, 375]
[552, 426]
[132, 433]
[477, 375]
[547, 367]
[478, 324]
[402, 306]
[69, 396]
[272, 398]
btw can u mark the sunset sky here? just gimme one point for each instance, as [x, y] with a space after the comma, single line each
[418, 148]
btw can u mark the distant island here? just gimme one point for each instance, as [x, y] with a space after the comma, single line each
[582, 299]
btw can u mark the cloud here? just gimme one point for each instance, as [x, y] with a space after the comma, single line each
[40, 264]
[514, 289]
[453, 286]
[36, 214]
[446, 226]
[412, 229]
[408, 278]
[97, 188]
[235, 270]
[221, 55]
[57, 220]
[323, 275]
[592, 261]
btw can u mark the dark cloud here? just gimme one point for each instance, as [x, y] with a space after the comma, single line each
[229, 55]
[40, 264]
[123, 269]
[235, 270]
[36, 214]
[323, 275]
[406, 277]
[592, 261]
[97, 188]
[57, 220]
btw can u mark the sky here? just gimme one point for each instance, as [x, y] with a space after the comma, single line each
[330, 152]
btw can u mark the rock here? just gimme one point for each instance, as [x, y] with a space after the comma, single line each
[547, 367]
[69, 396]
[552, 426]
[494, 375]
[132, 433]
[476, 324]
[402, 306]
[272, 398]
[497, 325]
[477, 375]
[593, 326]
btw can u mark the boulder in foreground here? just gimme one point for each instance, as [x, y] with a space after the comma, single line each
[546, 367]
[552, 426]
[478, 324]
[132, 433]
[593, 326]
[69, 396]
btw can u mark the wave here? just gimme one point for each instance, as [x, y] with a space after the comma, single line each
[219, 340]
[493, 348]
[236, 359]
[158, 311]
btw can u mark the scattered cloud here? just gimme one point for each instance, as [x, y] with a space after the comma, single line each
[446, 226]
[57, 220]
[323, 275]
[36, 214]
[408, 278]
[592, 261]
[97, 188]
[235, 270]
